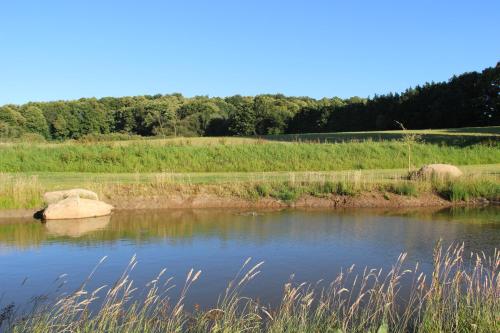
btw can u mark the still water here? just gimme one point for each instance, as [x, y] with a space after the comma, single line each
[311, 244]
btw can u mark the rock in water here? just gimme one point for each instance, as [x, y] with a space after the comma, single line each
[439, 170]
[76, 208]
[56, 196]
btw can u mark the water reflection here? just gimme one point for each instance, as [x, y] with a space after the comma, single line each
[182, 225]
[313, 244]
[76, 227]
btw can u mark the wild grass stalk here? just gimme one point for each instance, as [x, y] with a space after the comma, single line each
[20, 191]
[462, 294]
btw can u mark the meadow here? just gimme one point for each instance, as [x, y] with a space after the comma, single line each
[450, 136]
[281, 167]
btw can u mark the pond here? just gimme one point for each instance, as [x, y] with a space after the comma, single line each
[311, 244]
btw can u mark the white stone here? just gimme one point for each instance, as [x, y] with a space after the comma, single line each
[76, 208]
[439, 170]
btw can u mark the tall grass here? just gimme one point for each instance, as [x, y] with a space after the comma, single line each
[461, 295]
[466, 190]
[405, 188]
[252, 157]
[20, 192]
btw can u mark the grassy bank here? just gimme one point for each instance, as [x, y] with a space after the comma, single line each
[259, 156]
[460, 295]
[26, 191]
[284, 168]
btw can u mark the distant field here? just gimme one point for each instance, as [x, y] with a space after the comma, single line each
[454, 136]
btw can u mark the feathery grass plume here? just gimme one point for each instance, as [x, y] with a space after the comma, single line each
[461, 295]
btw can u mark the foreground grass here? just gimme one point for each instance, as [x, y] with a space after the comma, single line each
[461, 295]
[257, 157]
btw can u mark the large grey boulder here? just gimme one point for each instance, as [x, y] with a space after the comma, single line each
[56, 196]
[439, 170]
[75, 208]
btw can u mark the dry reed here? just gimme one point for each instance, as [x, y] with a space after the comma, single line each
[461, 295]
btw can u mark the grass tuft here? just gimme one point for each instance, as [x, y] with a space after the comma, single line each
[406, 188]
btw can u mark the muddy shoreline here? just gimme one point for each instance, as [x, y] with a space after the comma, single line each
[198, 201]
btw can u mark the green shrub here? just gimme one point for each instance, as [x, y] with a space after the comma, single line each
[89, 138]
[32, 138]
[322, 189]
[404, 188]
[286, 191]
[263, 190]
[345, 188]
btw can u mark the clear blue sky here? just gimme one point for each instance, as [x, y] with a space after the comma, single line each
[69, 49]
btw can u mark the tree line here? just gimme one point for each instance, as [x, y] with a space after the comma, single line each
[470, 99]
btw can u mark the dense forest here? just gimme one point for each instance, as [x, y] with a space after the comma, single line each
[471, 99]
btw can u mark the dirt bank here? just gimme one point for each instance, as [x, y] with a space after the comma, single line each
[203, 200]
[364, 200]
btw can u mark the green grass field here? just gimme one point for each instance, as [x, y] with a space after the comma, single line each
[57, 180]
[452, 136]
[259, 156]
